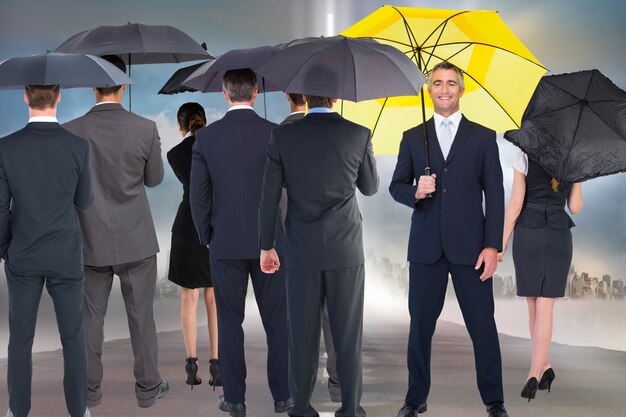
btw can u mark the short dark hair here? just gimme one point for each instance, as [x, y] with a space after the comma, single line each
[316, 101]
[448, 66]
[41, 97]
[191, 117]
[119, 63]
[239, 84]
[296, 99]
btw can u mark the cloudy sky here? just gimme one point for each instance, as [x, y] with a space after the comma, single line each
[565, 35]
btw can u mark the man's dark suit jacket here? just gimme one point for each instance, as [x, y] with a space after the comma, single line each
[452, 222]
[322, 159]
[226, 178]
[44, 178]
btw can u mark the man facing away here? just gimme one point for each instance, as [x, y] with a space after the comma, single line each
[226, 177]
[119, 235]
[450, 235]
[44, 180]
[322, 160]
[297, 106]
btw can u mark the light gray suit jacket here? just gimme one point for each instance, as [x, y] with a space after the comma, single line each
[125, 155]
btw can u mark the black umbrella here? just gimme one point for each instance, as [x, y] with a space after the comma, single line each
[575, 126]
[66, 70]
[173, 85]
[208, 77]
[345, 68]
[137, 43]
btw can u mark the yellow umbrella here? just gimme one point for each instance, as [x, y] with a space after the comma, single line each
[500, 72]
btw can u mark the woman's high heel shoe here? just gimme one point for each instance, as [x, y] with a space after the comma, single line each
[191, 368]
[530, 389]
[546, 379]
[216, 375]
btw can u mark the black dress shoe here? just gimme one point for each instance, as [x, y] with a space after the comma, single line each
[233, 409]
[410, 410]
[496, 409]
[283, 406]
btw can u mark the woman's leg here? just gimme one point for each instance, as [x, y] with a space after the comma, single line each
[209, 300]
[541, 336]
[189, 319]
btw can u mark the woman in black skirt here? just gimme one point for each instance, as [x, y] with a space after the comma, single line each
[542, 254]
[189, 260]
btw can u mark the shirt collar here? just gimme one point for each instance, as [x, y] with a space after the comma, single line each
[240, 107]
[107, 102]
[297, 112]
[320, 110]
[190, 133]
[45, 119]
[455, 118]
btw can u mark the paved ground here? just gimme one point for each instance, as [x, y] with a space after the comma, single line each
[590, 382]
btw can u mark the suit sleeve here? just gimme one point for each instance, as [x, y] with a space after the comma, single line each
[492, 182]
[180, 166]
[200, 194]
[5, 212]
[273, 179]
[367, 180]
[153, 171]
[403, 187]
[83, 196]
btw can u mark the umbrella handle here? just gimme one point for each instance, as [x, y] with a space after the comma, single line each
[427, 173]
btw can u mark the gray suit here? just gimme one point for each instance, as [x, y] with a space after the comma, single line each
[322, 159]
[120, 238]
[334, 388]
[44, 178]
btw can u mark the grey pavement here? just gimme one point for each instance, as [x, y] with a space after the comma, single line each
[590, 381]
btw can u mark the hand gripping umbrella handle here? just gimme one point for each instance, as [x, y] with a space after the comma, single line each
[427, 173]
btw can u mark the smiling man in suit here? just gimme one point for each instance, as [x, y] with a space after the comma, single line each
[119, 235]
[226, 177]
[451, 235]
[44, 180]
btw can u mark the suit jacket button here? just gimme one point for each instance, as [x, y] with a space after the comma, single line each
[445, 170]
[444, 191]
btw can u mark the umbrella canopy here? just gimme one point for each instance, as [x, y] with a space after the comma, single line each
[500, 72]
[208, 77]
[66, 70]
[173, 85]
[345, 68]
[575, 126]
[137, 43]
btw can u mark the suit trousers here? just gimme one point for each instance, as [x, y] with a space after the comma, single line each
[427, 290]
[138, 283]
[66, 289]
[331, 360]
[342, 289]
[230, 283]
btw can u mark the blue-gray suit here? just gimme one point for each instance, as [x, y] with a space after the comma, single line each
[448, 233]
[44, 179]
[226, 177]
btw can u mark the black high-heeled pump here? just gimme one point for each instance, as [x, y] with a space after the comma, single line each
[216, 374]
[530, 389]
[546, 379]
[191, 368]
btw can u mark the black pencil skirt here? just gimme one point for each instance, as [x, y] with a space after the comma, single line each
[190, 266]
[542, 259]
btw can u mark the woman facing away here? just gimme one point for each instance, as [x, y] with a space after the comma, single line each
[189, 260]
[542, 254]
